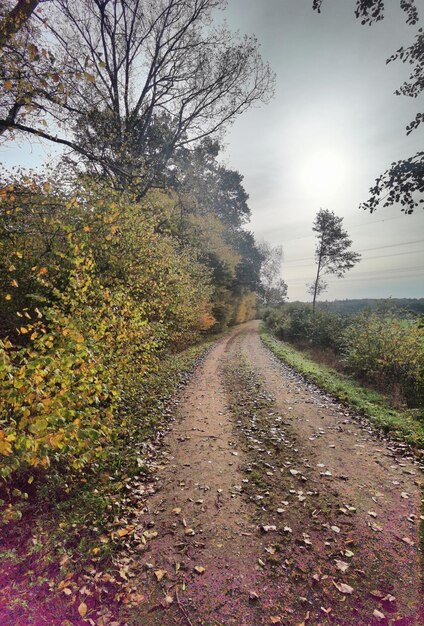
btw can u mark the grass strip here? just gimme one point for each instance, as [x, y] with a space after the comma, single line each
[400, 424]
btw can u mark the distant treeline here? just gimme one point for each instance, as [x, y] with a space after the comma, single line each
[350, 307]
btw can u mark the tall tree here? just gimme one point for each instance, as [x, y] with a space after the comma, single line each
[403, 181]
[332, 254]
[142, 79]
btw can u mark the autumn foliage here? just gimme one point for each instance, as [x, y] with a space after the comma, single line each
[97, 286]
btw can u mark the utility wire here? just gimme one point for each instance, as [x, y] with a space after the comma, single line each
[393, 245]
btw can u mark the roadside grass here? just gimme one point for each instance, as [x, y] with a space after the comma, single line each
[405, 425]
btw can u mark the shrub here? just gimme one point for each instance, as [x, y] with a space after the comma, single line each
[300, 325]
[111, 296]
[388, 351]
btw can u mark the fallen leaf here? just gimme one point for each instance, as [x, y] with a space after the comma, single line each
[341, 565]
[160, 573]
[335, 529]
[268, 528]
[408, 541]
[253, 596]
[389, 598]
[176, 511]
[150, 534]
[378, 614]
[372, 513]
[275, 620]
[199, 569]
[189, 531]
[82, 609]
[343, 588]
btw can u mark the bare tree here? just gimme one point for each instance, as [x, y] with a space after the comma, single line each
[144, 78]
[332, 254]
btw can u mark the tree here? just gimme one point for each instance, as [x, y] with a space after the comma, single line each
[141, 80]
[332, 253]
[273, 288]
[14, 20]
[403, 181]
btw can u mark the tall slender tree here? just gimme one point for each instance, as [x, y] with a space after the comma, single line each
[332, 254]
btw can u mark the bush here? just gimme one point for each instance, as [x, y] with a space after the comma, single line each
[388, 351]
[301, 326]
[110, 298]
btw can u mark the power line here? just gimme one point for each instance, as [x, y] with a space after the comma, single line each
[370, 258]
[393, 245]
[363, 280]
[387, 274]
[388, 219]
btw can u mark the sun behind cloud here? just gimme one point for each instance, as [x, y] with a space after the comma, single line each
[323, 173]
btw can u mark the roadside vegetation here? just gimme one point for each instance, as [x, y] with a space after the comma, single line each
[119, 263]
[372, 361]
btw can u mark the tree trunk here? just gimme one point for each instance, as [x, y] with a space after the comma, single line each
[16, 18]
[317, 277]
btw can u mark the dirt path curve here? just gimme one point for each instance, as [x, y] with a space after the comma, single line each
[274, 506]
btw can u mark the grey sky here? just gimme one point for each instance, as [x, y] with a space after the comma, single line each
[334, 95]
[334, 99]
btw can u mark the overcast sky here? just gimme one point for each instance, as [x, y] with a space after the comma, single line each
[332, 127]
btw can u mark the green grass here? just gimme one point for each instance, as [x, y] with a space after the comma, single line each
[400, 424]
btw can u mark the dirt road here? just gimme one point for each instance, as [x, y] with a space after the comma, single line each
[275, 505]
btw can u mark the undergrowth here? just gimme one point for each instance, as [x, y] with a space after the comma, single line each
[77, 515]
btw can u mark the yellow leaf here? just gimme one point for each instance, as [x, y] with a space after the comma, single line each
[7, 85]
[23, 330]
[8, 296]
[160, 573]
[82, 609]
